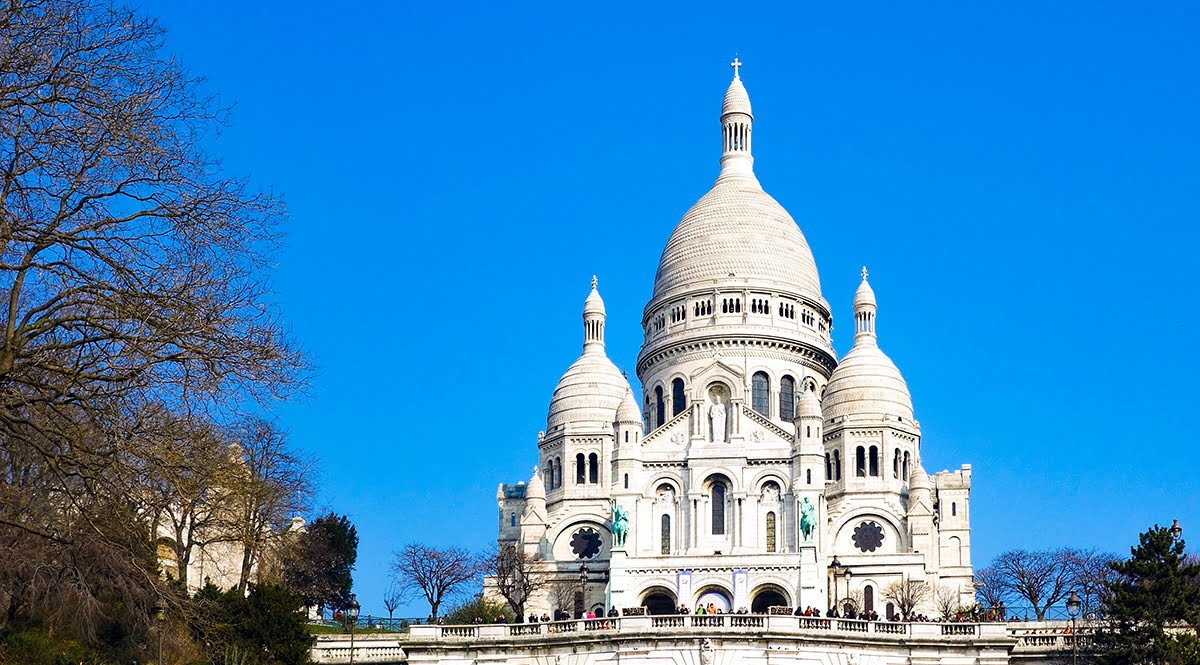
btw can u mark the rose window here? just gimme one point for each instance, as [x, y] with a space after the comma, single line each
[868, 536]
[585, 543]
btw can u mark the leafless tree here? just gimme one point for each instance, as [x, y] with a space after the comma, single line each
[906, 594]
[518, 575]
[435, 574]
[1090, 571]
[1039, 578]
[271, 482]
[563, 591]
[946, 601]
[989, 588]
[853, 600]
[392, 599]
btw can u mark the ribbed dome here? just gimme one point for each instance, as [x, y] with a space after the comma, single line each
[737, 100]
[587, 394]
[866, 383]
[737, 228]
[628, 411]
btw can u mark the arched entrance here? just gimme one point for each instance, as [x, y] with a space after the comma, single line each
[767, 596]
[659, 600]
[715, 595]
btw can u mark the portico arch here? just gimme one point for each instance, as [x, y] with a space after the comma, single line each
[766, 596]
[659, 600]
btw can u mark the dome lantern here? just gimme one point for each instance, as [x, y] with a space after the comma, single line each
[593, 321]
[736, 123]
[864, 312]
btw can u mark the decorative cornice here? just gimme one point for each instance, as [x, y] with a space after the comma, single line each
[811, 356]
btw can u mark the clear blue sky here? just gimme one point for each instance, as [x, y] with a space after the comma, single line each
[1021, 180]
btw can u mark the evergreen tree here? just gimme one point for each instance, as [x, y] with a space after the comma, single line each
[1153, 607]
[321, 563]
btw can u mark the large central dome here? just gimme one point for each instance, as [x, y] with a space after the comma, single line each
[737, 230]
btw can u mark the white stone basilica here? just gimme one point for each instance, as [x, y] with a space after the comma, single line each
[756, 457]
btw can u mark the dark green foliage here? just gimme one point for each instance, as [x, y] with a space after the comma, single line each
[479, 607]
[1153, 607]
[266, 627]
[321, 562]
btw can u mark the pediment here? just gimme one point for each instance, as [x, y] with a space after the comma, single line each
[673, 433]
[718, 368]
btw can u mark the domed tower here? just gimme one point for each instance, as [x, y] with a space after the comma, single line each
[577, 446]
[736, 316]
[868, 415]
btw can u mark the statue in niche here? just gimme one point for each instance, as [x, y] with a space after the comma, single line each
[717, 413]
[770, 493]
[666, 496]
[808, 519]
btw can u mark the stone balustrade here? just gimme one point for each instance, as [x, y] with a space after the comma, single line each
[1024, 639]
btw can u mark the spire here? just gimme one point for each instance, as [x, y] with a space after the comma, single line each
[864, 312]
[736, 121]
[593, 321]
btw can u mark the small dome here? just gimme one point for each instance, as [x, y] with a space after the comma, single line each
[919, 479]
[536, 489]
[865, 295]
[737, 100]
[808, 405]
[867, 383]
[628, 411]
[594, 303]
[589, 392]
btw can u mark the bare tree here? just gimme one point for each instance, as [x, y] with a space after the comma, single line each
[1090, 571]
[435, 574]
[271, 483]
[563, 591]
[518, 575]
[392, 599]
[1040, 578]
[906, 594]
[989, 588]
[946, 601]
[851, 602]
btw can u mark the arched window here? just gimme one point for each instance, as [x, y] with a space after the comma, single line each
[593, 468]
[549, 473]
[860, 462]
[874, 461]
[896, 464]
[905, 469]
[627, 481]
[808, 475]
[828, 467]
[787, 398]
[891, 611]
[760, 393]
[837, 465]
[718, 508]
[660, 409]
[678, 403]
[770, 532]
[580, 469]
[558, 472]
[512, 519]
[665, 537]
[868, 598]
[953, 509]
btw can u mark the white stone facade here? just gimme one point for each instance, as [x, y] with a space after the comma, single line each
[747, 420]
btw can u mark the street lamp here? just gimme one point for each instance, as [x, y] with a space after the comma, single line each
[835, 569]
[846, 574]
[1175, 530]
[1073, 610]
[160, 615]
[583, 582]
[352, 612]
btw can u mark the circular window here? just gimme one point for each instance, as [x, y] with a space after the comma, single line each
[868, 536]
[585, 543]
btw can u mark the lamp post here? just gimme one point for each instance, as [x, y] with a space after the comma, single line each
[352, 612]
[1073, 610]
[160, 615]
[835, 569]
[583, 582]
[1176, 530]
[846, 574]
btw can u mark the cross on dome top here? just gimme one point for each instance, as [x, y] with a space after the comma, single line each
[593, 281]
[864, 274]
[735, 64]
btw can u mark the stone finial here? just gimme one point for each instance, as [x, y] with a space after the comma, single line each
[593, 281]
[864, 275]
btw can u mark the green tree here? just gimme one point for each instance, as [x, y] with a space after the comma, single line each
[321, 564]
[1153, 607]
[265, 627]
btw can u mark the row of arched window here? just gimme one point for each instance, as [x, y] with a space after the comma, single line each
[731, 305]
[787, 311]
[866, 463]
[833, 465]
[587, 470]
[702, 308]
[807, 318]
[678, 313]
[718, 489]
[552, 476]
[760, 398]
[760, 306]
[736, 137]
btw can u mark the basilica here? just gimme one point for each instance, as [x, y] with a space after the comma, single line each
[758, 469]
